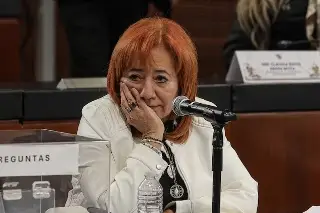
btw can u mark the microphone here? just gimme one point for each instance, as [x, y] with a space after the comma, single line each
[183, 106]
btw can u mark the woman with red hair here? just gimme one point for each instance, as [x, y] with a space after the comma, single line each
[153, 62]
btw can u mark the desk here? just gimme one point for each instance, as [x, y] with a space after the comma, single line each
[276, 135]
[11, 104]
[69, 126]
[281, 151]
[277, 138]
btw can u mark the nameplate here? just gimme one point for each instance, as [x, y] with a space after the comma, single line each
[80, 83]
[279, 66]
[38, 159]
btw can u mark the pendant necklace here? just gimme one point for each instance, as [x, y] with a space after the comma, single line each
[176, 190]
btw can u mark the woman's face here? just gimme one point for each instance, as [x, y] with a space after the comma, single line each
[157, 83]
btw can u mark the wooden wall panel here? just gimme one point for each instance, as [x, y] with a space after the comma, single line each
[10, 125]
[29, 28]
[281, 151]
[209, 23]
[9, 50]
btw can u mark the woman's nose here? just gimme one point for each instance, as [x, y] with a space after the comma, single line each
[148, 91]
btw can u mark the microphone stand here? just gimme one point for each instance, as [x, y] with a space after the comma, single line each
[217, 158]
[218, 123]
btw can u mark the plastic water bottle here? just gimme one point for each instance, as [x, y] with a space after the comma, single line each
[150, 195]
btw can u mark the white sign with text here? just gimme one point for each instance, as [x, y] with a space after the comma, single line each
[279, 66]
[38, 159]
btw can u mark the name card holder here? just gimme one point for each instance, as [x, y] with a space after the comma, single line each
[258, 67]
[36, 167]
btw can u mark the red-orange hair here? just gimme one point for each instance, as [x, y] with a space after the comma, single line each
[138, 40]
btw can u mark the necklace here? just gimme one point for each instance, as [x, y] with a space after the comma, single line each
[286, 5]
[176, 190]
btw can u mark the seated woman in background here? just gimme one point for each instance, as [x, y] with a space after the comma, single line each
[153, 62]
[272, 25]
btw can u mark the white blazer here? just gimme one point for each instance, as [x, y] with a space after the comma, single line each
[130, 161]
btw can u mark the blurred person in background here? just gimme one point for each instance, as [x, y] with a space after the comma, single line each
[272, 25]
[93, 27]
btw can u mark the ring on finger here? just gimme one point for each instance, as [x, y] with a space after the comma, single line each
[128, 109]
[132, 105]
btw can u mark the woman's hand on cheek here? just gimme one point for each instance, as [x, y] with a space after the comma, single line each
[138, 114]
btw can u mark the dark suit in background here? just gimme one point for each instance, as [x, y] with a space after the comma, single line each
[93, 27]
[290, 25]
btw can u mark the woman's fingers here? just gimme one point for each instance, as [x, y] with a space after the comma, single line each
[124, 103]
[138, 99]
[132, 103]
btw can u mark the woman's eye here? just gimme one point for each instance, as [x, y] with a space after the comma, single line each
[134, 77]
[161, 79]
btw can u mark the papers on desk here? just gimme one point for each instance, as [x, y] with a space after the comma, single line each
[313, 209]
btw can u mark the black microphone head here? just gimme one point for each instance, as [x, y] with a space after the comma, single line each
[176, 103]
